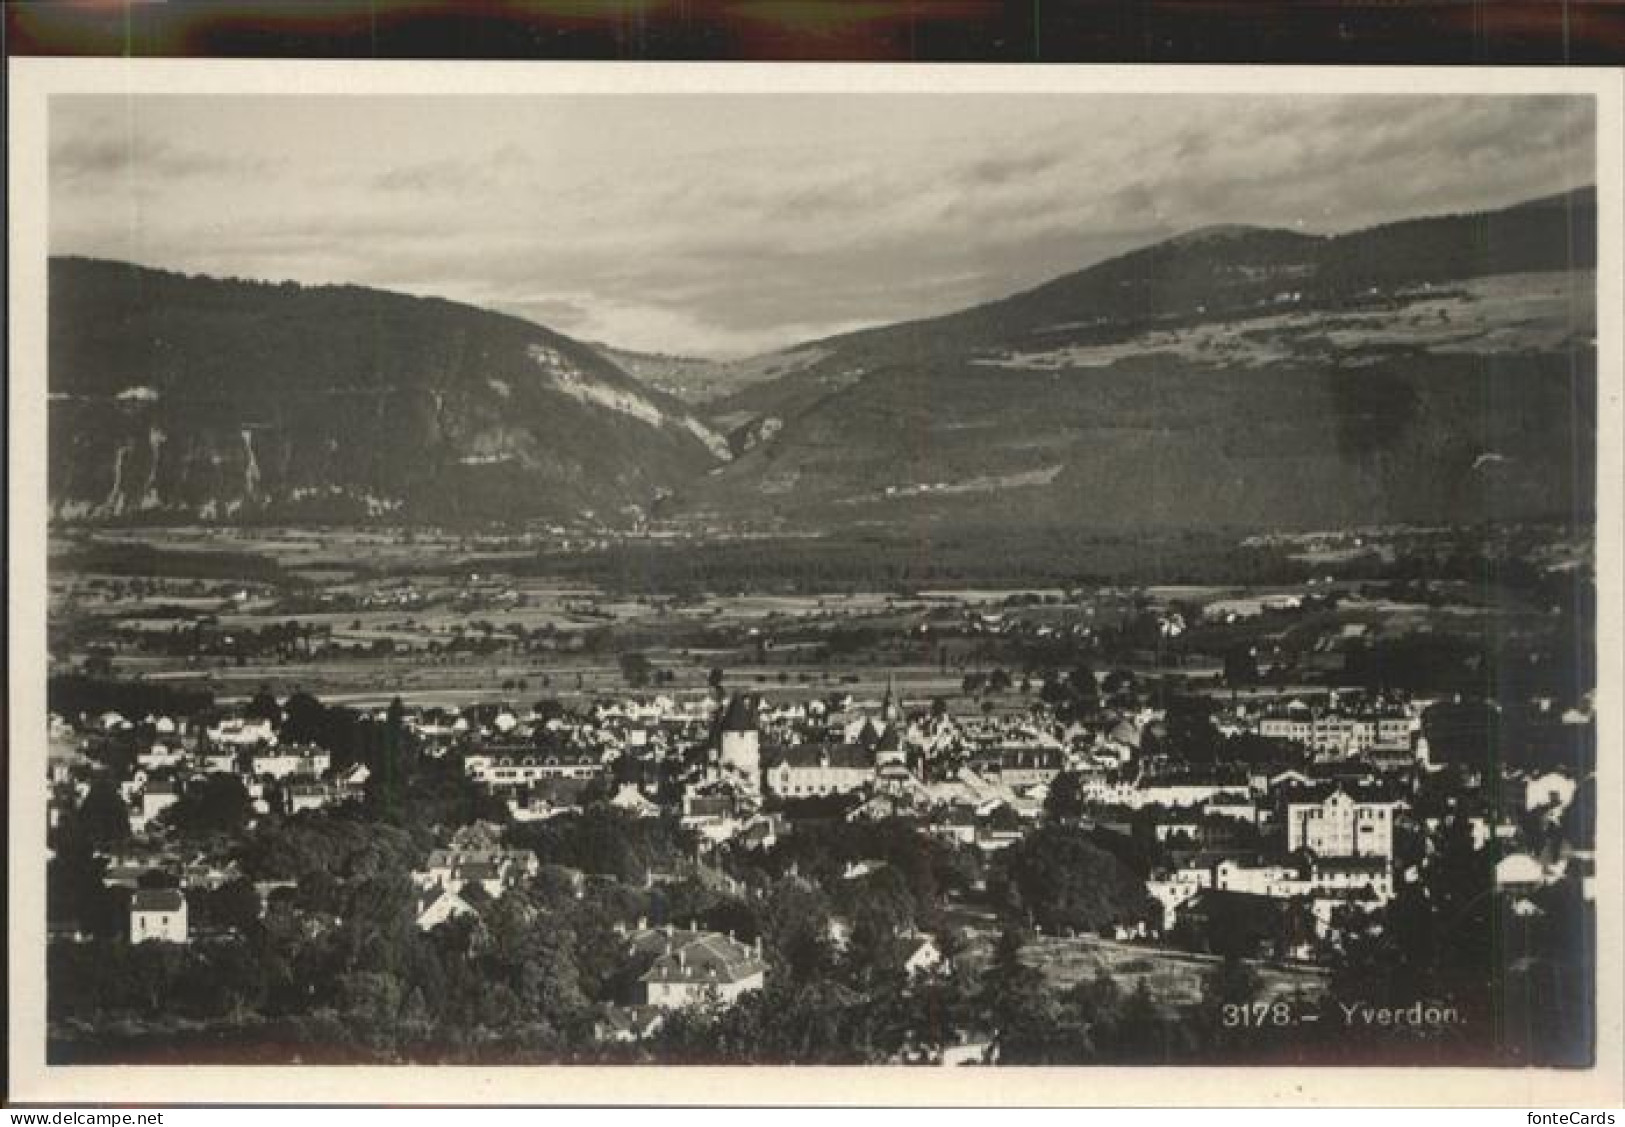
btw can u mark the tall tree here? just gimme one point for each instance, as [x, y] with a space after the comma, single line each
[1064, 802]
[104, 819]
[219, 804]
[1065, 882]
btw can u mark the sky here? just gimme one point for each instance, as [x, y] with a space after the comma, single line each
[727, 225]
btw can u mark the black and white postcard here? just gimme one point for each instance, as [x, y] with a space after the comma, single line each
[539, 582]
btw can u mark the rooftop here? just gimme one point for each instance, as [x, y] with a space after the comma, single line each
[157, 900]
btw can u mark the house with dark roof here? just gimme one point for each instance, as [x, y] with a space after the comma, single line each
[685, 968]
[158, 915]
[493, 868]
[810, 770]
[889, 750]
[629, 1024]
[156, 797]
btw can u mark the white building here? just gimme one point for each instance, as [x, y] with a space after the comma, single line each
[238, 732]
[1342, 733]
[158, 915]
[1552, 790]
[1519, 872]
[531, 767]
[286, 762]
[156, 797]
[437, 905]
[495, 869]
[310, 796]
[693, 967]
[924, 956]
[630, 799]
[160, 755]
[1341, 825]
[818, 769]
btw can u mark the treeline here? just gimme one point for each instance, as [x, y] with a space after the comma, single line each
[135, 558]
[1486, 738]
[978, 556]
[72, 694]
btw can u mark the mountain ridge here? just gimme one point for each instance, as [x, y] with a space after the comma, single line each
[1266, 379]
[1349, 250]
[1433, 368]
[190, 397]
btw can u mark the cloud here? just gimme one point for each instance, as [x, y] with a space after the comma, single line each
[108, 158]
[715, 224]
[454, 174]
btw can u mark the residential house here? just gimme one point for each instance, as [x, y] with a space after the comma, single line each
[310, 796]
[1242, 923]
[305, 760]
[1339, 732]
[1552, 791]
[494, 869]
[160, 755]
[158, 915]
[688, 968]
[632, 800]
[156, 797]
[629, 1024]
[923, 955]
[434, 906]
[954, 824]
[216, 760]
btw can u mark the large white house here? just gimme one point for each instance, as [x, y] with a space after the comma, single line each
[692, 967]
[288, 761]
[1341, 825]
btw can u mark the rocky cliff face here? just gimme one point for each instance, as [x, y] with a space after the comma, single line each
[194, 398]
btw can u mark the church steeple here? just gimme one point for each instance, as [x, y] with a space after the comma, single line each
[890, 710]
[889, 748]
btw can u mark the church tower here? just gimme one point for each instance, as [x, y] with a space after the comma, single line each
[739, 742]
[891, 711]
[889, 748]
